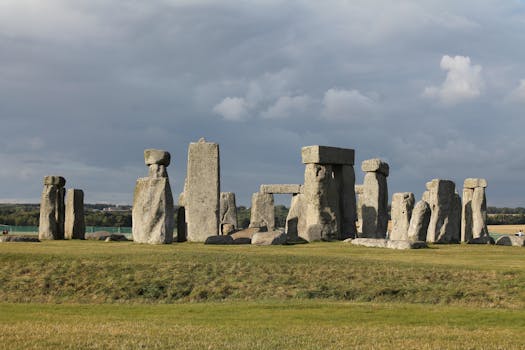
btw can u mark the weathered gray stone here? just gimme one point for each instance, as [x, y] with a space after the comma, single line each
[321, 203]
[75, 226]
[375, 165]
[181, 224]
[202, 191]
[374, 206]
[479, 213]
[327, 155]
[481, 240]
[262, 211]
[296, 220]
[104, 236]
[445, 220]
[220, 240]
[116, 238]
[386, 243]
[401, 213]
[269, 238]
[418, 227]
[473, 183]
[153, 211]
[18, 239]
[346, 176]
[246, 233]
[466, 215]
[52, 209]
[281, 189]
[156, 156]
[228, 212]
[54, 180]
[157, 170]
[511, 241]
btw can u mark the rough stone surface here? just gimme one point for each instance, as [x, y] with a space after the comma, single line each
[156, 156]
[321, 203]
[262, 211]
[445, 206]
[157, 170]
[246, 233]
[181, 224]
[52, 209]
[18, 239]
[221, 240]
[401, 213]
[228, 212]
[202, 192]
[327, 155]
[295, 221]
[281, 189]
[385, 243]
[481, 240]
[75, 225]
[479, 213]
[466, 215]
[375, 165]
[346, 177]
[54, 180]
[374, 206]
[418, 227]
[473, 183]
[116, 238]
[511, 241]
[153, 211]
[269, 238]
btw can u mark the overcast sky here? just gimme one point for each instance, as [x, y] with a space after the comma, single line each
[435, 88]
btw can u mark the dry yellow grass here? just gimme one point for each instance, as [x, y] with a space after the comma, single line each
[506, 229]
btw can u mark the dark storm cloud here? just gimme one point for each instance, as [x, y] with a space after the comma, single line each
[85, 86]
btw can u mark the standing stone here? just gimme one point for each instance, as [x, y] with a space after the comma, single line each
[295, 220]
[445, 205]
[262, 211]
[328, 193]
[153, 210]
[228, 212]
[52, 211]
[374, 199]
[203, 191]
[75, 226]
[401, 212]
[474, 210]
[418, 227]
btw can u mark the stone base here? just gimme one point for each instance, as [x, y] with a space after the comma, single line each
[385, 243]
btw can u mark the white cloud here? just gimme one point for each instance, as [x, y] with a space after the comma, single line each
[463, 82]
[288, 106]
[347, 105]
[232, 108]
[518, 94]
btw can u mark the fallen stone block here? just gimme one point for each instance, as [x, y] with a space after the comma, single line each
[514, 241]
[220, 240]
[269, 238]
[385, 243]
[481, 240]
[248, 233]
[18, 239]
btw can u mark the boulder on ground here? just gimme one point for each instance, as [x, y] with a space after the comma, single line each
[248, 233]
[511, 241]
[481, 240]
[221, 240]
[242, 240]
[104, 235]
[18, 239]
[269, 238]
[385, 243]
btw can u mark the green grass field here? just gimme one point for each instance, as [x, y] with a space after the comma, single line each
[98, 295]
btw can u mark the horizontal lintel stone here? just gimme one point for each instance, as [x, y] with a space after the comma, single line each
[327, 155]
[281, 189]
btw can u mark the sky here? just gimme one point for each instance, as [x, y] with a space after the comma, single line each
[434, 88]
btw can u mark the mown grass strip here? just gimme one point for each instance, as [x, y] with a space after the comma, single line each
[259, 325]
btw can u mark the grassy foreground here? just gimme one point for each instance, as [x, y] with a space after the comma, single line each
[84, 294]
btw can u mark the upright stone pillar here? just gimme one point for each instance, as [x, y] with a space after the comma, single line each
[262, 211]
[417, 230]
[401, 212]
[445, 206]
[153, 210]
[374, 199]
[328, 193]
[474, 210]
[52, 211]
[228, 213]
[203, 191]
[75, 225]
